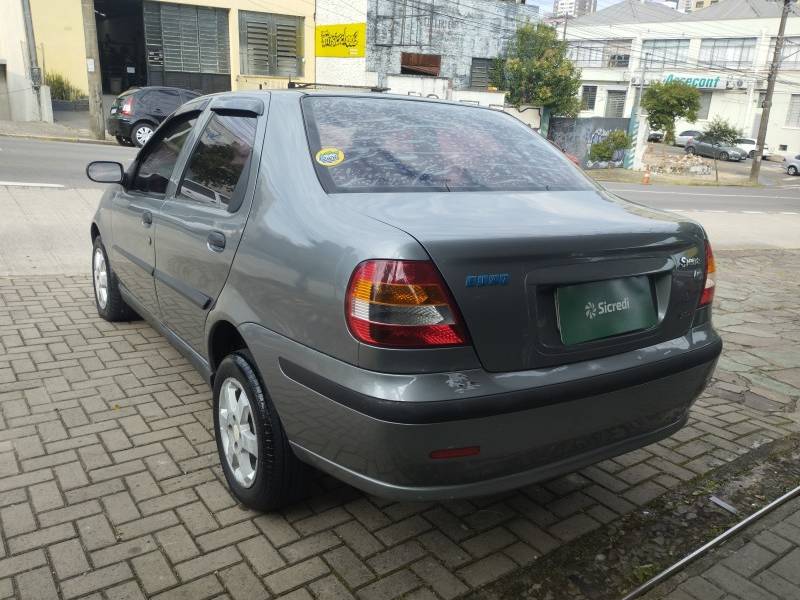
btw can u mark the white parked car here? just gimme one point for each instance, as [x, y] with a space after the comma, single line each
[685, 136]
[749, 145]
[793, 165]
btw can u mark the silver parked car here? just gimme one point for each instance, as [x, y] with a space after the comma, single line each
[720, 151]
[793, 165]
[424, 299]
[687, 135]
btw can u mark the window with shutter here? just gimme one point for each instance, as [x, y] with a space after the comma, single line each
[271, 44]
[588, 97]
[615, 104]
[479, 74]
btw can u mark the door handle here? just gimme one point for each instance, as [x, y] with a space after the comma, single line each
[147, 218]
[216, 241]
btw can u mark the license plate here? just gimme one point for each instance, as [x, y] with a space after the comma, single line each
[591, 311]
[113, 111]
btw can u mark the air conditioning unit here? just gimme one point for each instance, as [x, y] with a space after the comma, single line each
[740, 84]
[729, 84]
[636, 80]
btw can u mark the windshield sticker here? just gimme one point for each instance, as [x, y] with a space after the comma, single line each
[330, 157]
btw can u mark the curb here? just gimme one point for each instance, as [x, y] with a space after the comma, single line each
[56, 138]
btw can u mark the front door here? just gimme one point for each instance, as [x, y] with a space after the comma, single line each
[200, 226]
[133, 225]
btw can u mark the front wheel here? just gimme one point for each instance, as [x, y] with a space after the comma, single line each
[107, 296]
[690, 150]
[792, 170]
[723, 156]
[259, 465]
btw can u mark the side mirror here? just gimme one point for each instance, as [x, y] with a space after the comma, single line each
[105, 171]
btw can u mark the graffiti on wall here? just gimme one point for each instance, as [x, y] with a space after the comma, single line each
[600, 135]
[577, 136]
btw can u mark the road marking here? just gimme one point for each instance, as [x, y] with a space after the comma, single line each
[753, 212]
[687, 193]
[24, 184]
[789, 213]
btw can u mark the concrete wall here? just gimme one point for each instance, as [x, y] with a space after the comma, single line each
[58, 26]
[576, 136]
[20, 101]
[343, 71]
[457, 30]
[739, 106]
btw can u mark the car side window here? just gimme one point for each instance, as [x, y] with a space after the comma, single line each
[216, 171]
[167, 100]
[155, 168]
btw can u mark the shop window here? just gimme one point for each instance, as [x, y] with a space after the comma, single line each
[412, 63]
[727, 52]
[660, 54]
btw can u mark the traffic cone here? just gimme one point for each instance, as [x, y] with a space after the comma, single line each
[646, 177]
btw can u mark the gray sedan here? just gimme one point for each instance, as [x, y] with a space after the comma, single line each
[720, 151]
[424, 299]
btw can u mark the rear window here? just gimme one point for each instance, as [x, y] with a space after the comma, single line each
[393, 145]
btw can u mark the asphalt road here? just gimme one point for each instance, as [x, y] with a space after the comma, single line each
[55, 163]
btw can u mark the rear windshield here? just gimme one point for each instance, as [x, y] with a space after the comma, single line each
[392, 145]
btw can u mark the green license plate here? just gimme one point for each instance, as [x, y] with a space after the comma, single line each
[591, 311]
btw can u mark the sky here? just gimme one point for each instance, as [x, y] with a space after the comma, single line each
[546, 6]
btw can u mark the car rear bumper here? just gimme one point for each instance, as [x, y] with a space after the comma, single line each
[377, 431]
[118, 127]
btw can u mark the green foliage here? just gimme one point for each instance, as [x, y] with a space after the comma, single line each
[604, 151]
[665, 102]
[535, 70]
[720, 132]
[61, 88]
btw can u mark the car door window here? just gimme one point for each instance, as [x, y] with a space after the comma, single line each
[167, 101]
[155, 168]
[214, 174]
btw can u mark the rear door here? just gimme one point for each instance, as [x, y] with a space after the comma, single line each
[163, 102]
[200, 226]
[136, 207]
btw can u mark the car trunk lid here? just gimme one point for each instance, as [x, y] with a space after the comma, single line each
[524, 266]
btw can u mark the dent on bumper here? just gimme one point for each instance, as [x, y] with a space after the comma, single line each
[376, 431]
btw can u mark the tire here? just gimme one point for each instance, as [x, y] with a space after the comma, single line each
[141, 132]
[107, 297]
[270, 479]
[120, 140]
[751, 154]
[792, 170]
[723, 156]
[690, 150]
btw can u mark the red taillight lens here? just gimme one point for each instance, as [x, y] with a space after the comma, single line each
[127, 106]
[402, 304]
[710, 275]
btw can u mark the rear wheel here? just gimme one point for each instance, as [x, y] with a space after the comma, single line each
[792, 170]
[723, 156]
[259, 465]
[107, 297]
[140, 133]
[690, 150]
[751, 154]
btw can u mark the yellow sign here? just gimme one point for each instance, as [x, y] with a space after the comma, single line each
[348, 40]
[330, 157]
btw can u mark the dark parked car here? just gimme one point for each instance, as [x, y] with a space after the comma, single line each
[655, 136]
[137, 112]
[424, 299]
[720, 151]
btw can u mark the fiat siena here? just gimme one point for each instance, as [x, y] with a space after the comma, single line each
[424, 299]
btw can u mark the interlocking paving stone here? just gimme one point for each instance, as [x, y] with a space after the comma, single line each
[107, 460]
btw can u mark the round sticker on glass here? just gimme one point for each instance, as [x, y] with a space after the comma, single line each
[330, 157]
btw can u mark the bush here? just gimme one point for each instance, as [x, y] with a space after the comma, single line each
[61, 88]
[605, 150]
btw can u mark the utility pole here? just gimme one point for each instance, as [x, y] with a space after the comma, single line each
[96, 122]
[35, 71]
[755, 168]
[633, 124]
[564, 34]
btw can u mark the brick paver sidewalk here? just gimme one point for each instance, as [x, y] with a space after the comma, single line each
[109, 477]
[760, 563]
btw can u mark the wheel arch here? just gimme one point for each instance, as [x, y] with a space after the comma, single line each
[94, 231]
[223, 338]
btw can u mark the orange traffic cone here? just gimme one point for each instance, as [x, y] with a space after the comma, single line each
[646, 178]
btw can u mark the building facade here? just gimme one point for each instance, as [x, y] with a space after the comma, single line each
[18, 97]
[573, 8]
[207, 45]
[723, 50]
[421, 47]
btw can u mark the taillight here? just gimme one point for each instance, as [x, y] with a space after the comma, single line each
[708, 287]
[402, 304]
[127, 106]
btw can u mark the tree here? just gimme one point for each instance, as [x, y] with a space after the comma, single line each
[665, 102]
[717, 133]
[535, 70]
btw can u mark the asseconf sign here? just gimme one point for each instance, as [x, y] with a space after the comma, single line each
[344, 40]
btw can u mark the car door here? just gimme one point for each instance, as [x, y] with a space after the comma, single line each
[135, 207]
[201, 224]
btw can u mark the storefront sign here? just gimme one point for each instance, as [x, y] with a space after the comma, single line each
[695, 80]
[341, 41]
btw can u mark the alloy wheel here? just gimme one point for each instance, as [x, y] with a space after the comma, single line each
[100, 273]
[237, 432]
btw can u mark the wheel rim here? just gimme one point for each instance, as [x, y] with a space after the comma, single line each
[237, 432]
[100, 271]
[723, 156]
[143, 134]
[792, 170]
